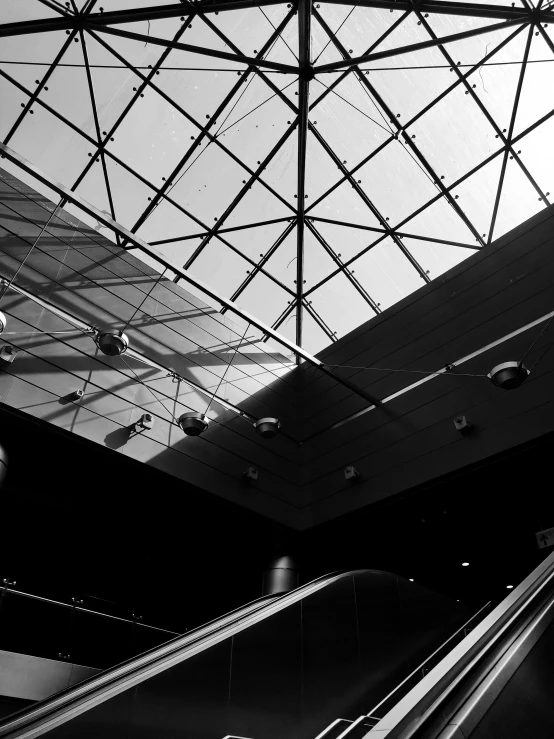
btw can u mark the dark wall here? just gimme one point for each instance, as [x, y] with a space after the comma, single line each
[80, 520]
[411, 439]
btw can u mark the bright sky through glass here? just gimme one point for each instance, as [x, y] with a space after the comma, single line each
[397, 191]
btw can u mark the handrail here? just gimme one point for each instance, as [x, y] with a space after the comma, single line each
[422, 666]
[71, 702]
[421, 705]
[87, 610]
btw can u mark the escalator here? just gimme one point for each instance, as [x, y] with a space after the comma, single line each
[497, 682]
[282, 667]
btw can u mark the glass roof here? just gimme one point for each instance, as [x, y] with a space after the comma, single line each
[242, 141]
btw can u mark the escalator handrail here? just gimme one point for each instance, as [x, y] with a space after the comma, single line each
[422, 703]
[419, 668]
[101, 687]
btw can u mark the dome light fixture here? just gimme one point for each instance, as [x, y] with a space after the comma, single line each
[508, 375]
[3, 322]
[113, 343]
[193, 424]
[267, 427]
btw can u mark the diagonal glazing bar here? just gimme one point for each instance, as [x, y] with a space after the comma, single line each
[205, 130]
[105, 220]
[470, 91]
[263, 261]
[306, 73]
[108, 135]
[443, 7]
[97, 126]
[247, 186]
[244, 227]
[347, 272]
[409, 143]
[402, 234]
[363, 195]
[510, 132]
[115, 17]
[376, 43]
[145, 182]
[308, 307]
[203, 51]
[40, 87]
[409, 48]
[416, 117]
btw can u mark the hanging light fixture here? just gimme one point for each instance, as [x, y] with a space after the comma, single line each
[113, 343]
[193, 424]
[267, 427]
[508, 375]
[3, 322]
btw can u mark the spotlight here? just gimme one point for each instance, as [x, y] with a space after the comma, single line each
[508, 375]
[268, 427]
[509, 587]
[112, 343]
[465, 564]
[3, 322]
[411, 579]
[193, 424]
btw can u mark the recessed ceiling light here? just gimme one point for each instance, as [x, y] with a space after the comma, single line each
[465, 564]
[509, 587]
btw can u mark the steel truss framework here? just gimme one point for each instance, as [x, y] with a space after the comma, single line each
[85, 20]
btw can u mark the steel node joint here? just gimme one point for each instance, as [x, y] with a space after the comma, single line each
[306, 72]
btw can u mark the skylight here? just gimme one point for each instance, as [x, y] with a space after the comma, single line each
[242, 141]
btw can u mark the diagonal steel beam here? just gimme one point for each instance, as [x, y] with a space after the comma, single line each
[510, 132]
[416, 117]
[410, 144]
[346, 272]
[203, 51]
[243, 227]
[116, 17]
[369, 203]
[108, 135]
[308, 307]
[40, 87]
[402, 234]
[263, 261]
[240, 195]
[105, 220]
[205, 130]
[142, 179]
[204, 133]
[306, 73]
[409, 48]
[374, 45]
[441, 7]
[97, 126]
[470, 91]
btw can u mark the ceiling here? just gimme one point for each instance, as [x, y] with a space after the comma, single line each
[314, 163]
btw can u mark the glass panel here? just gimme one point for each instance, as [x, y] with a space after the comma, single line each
[386, 273]
[340, 305]
[534, 103]
[35, 627]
